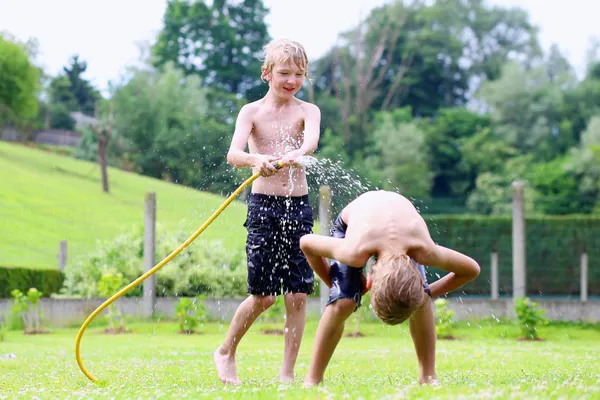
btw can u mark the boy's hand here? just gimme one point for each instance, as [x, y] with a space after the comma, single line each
[292, 157]
[265, 164]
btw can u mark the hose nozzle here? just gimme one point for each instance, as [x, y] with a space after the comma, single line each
[278, 164]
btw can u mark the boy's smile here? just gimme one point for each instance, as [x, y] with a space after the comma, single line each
[286, 79]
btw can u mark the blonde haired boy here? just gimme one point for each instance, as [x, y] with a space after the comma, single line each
[385, 225]
[277, 127]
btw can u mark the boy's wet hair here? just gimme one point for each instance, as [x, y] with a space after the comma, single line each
[284, 51]
[397, 289]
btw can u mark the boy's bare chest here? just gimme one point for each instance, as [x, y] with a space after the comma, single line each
[274, 129]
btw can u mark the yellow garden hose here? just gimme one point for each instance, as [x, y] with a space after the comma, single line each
[276, 164]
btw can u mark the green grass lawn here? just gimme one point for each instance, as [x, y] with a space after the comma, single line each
[487, 361]
[46, 198]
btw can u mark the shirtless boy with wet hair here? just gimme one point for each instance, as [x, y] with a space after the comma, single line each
[387, 226]
[277, 127]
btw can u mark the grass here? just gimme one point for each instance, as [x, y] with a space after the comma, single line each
[46, 198]
[488, 361]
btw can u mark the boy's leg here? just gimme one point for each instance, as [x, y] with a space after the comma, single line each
[344, 299]
[295, 310]
[422, 330]
[262, 273]
[297, 279]
[245, 315]
[329, 333]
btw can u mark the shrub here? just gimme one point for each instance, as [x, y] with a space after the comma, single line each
[443, 319]
[108, 286]
[276, 312]
[363, 314]
[528, 317]
[47, 281]
[27, 307]
[203, 267]
[190, 313]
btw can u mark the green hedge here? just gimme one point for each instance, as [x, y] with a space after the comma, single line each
[553, 245]
[47, 281]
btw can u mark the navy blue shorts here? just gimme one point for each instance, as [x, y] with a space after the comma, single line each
[276, 264]
[345, 280]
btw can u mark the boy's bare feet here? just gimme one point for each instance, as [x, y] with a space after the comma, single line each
[226, 368]
[286, 378]
[308, 383]
[429, 380]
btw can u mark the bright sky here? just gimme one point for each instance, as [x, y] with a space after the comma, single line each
[107, 33]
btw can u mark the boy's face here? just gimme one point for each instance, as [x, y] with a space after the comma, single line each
[286, 79]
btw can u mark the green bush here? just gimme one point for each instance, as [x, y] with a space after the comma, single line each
[364, 313]
[276, 312]
[109, 284]
[190, 313]
[47, 281]
[203, 267]
[443, 319]
[528, 317]
[27, 307]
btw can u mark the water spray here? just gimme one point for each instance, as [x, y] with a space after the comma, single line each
[276, 164]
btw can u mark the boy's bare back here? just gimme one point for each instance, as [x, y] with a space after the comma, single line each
[381, 221]
[278, 131]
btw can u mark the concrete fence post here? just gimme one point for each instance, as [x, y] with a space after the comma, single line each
[494, 278]
[584, 277]
[149, 299]
[325, 224]
[518, 239]
[62, 255]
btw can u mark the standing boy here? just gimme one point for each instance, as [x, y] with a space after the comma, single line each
[277, 127]
[385, 225]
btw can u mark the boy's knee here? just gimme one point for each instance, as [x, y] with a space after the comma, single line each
[343, 306]
[295, 301]
[265, 302]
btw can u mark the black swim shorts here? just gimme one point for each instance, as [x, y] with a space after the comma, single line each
[346, 280]
[276, 264]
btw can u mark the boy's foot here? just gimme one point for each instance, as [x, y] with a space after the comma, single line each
[430, 380]
[226, 368]
[286, 378]
[308, 383]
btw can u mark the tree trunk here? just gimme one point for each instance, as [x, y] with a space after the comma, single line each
[102, 159]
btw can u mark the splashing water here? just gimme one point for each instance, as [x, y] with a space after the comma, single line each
[344, 182]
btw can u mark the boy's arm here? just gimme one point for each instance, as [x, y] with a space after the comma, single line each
[312, 132]
[237, 155]
[462, 268]
[318, 247]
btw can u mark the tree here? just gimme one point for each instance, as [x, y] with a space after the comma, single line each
[19, 83]
[494, 35]
[492, 194]
[84, 93]
[60, 117]
[104, 134]
[583, 101]
[162, 116]
[356, 68]
[220, 41]
[584, 164]
[401, 161]
[424, 55]
[446, 133]
[69, 92]
[558, 188]
[528, 111]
